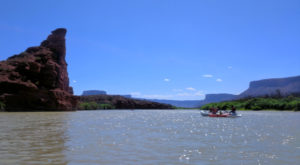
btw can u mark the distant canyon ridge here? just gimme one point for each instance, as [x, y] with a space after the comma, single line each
[261, 88]
[267, 87]
[275, 86]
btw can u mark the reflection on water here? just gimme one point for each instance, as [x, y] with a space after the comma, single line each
[148, 137]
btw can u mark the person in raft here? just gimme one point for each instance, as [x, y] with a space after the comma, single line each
[233, 109]
[213, 110]
[219, 110]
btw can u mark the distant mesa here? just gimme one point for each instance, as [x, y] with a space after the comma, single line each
[261, 88]
[210, 98]
[93, 92]
[37, 79]
[274, 86]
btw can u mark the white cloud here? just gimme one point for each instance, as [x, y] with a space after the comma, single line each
[183, 94]
[151, 96]
[190, 89]
[74, 81]
[177, 90]
[207, 75]
[135, 94]
[229, 67]
[219, 80]
[157, 96]
[167, 80]
[190, 94]
[199, 93]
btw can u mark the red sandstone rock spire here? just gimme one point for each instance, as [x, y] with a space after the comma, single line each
[56, 42]
[37, 79]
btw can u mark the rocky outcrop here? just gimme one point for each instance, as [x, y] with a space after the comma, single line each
[120, 102]
[93, 92]
[37, 79]
[273, 87]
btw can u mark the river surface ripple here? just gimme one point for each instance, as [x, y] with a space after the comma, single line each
[148, 137]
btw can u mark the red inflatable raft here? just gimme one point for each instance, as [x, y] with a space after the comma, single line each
[218, 115]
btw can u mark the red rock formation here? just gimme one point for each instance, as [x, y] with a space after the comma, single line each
[37, 79]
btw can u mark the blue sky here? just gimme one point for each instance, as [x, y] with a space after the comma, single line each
[167, 49]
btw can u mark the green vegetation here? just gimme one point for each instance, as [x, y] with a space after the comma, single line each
[261, 103]
[93, 105]
[2, 106]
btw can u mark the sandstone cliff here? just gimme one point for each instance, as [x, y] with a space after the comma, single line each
[37, 79]
[210, 98]
[271, 87]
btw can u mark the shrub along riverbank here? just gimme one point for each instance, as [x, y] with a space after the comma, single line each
[93, 105]
[261, 103]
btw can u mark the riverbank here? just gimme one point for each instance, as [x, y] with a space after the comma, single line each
[97, 102]
[289, 103]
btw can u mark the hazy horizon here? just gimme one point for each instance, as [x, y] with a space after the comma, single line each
[175, 50]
